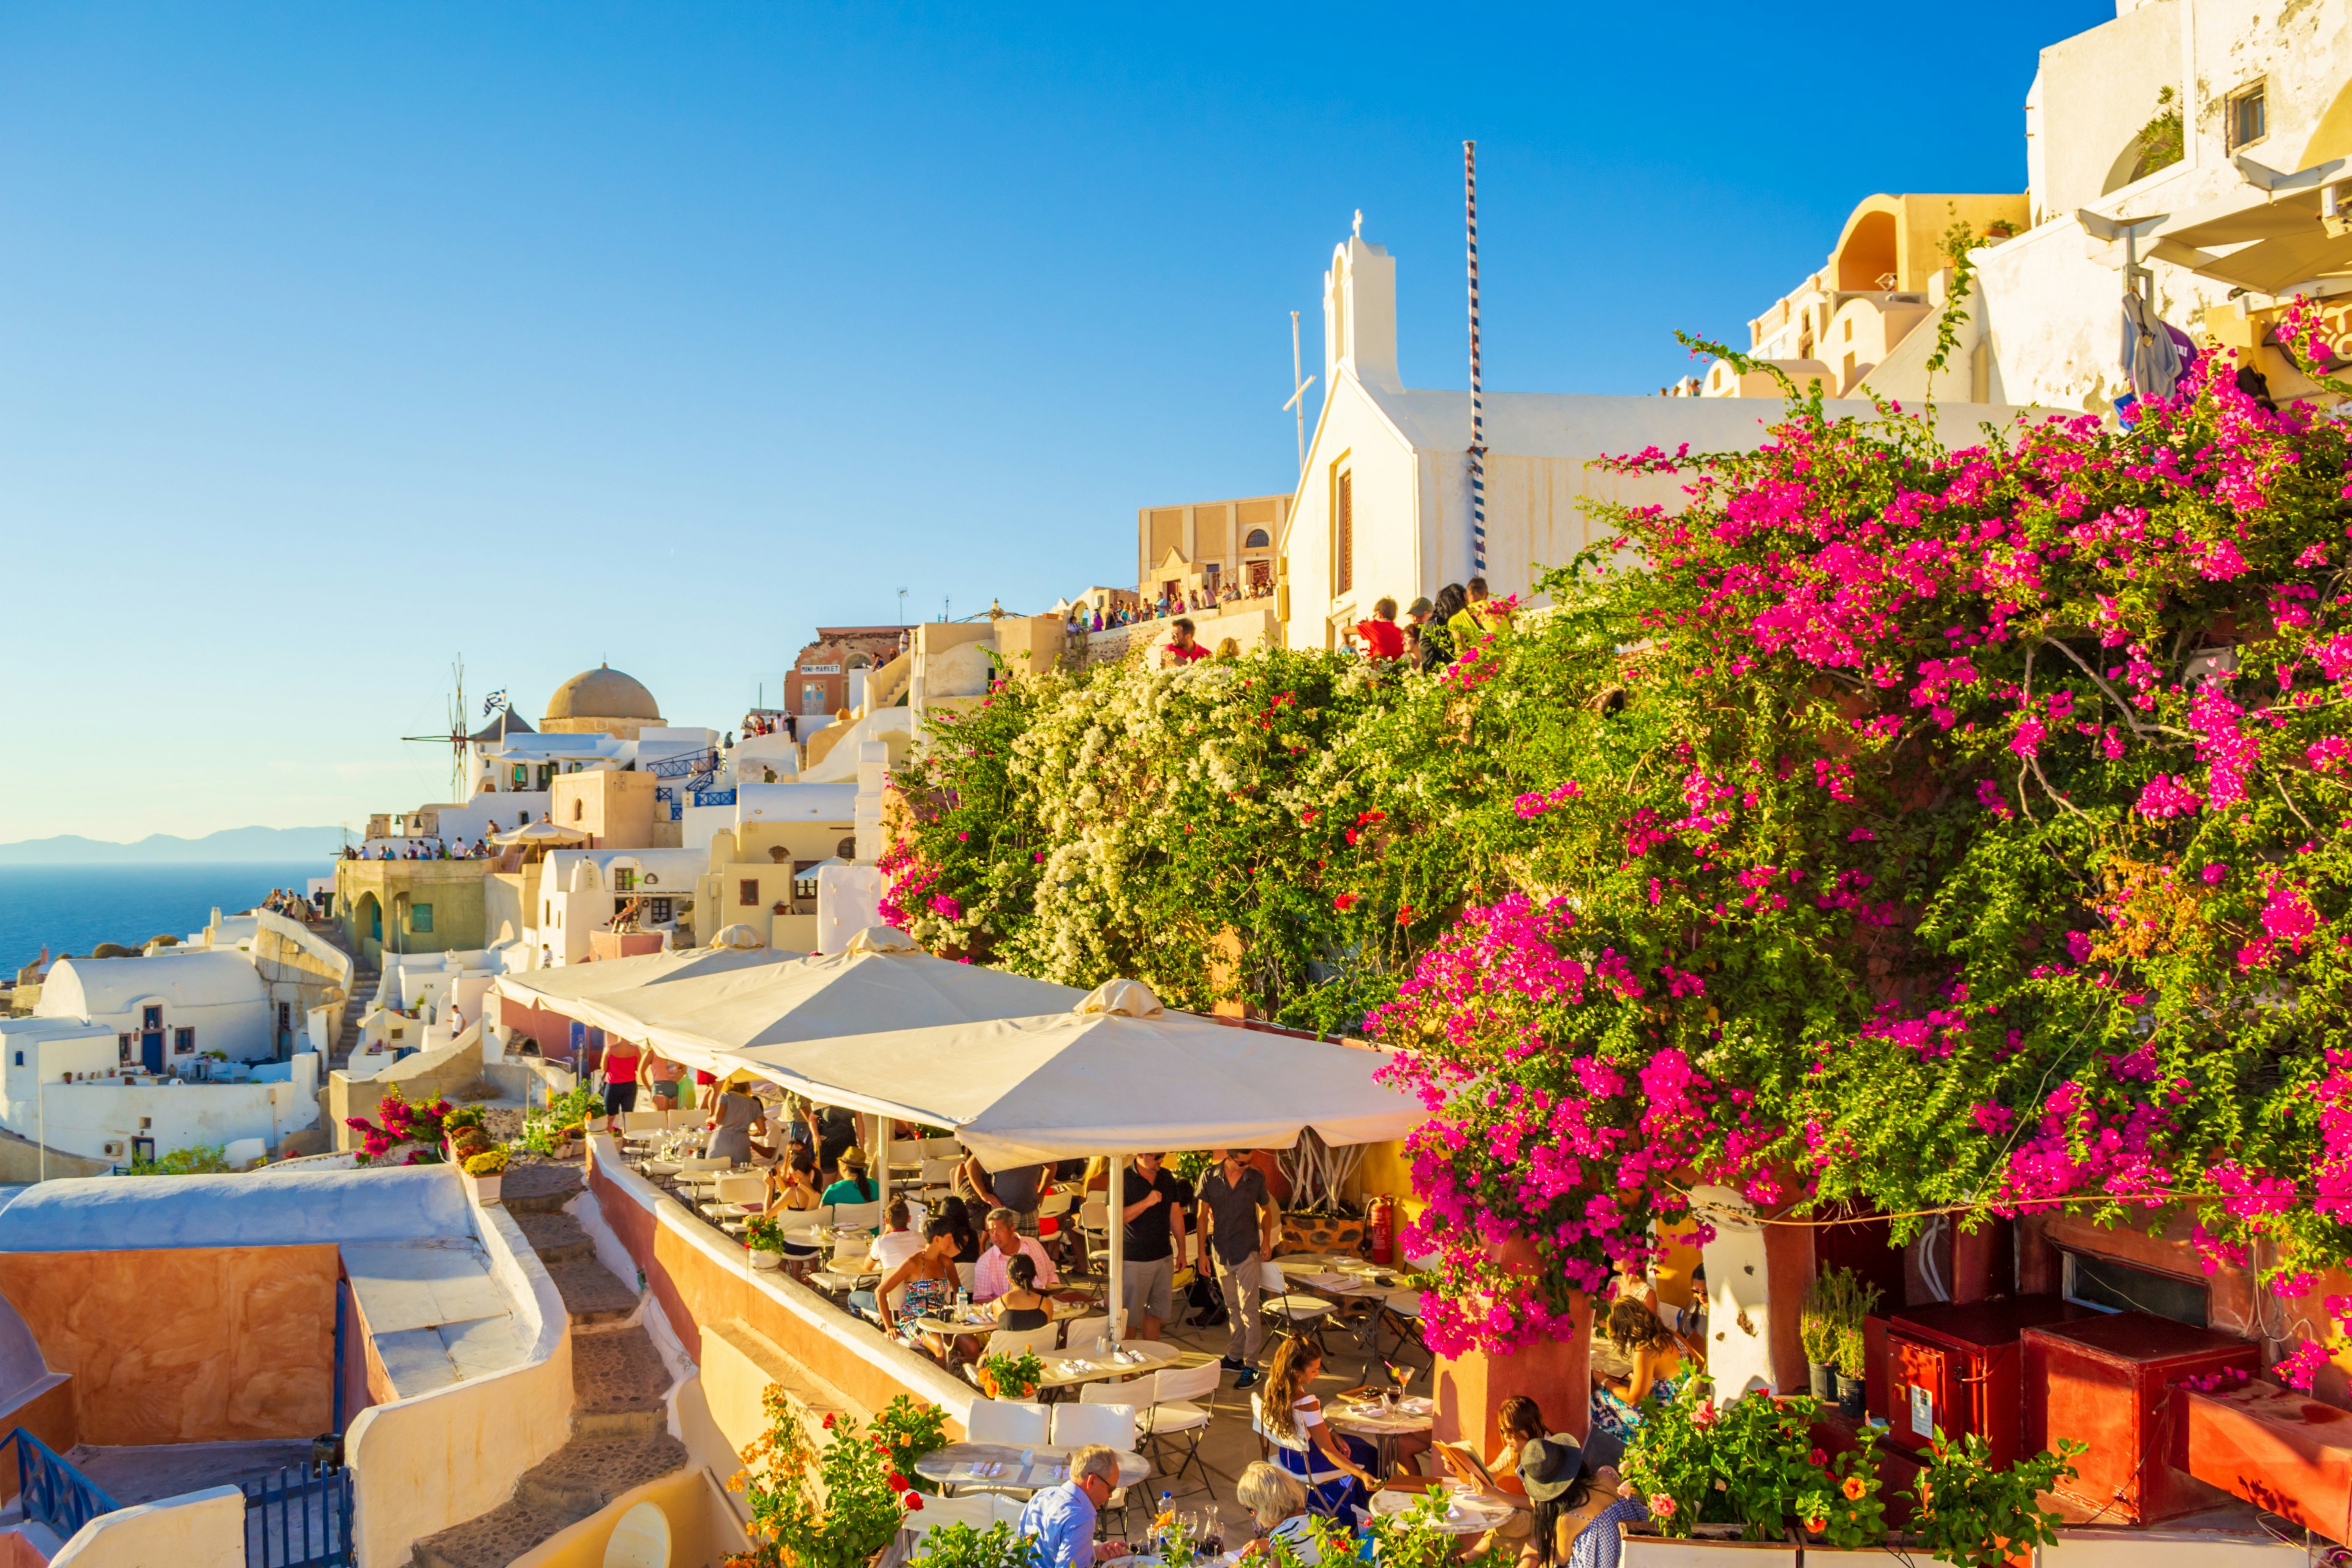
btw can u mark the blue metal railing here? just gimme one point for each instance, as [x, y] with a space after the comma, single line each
[299, 1518]
[686, 766]
[49, 1488]
[714, 797]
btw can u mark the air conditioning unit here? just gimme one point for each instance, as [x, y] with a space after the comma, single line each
[1956, 1367]
[2109, 1381]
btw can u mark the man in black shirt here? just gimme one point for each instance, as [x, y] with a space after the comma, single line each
[1238, 1222]
[1150, 1202]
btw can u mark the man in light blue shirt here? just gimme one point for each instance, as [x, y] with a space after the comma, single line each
[1060, 1520]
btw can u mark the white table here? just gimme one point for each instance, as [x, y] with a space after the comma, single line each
[1005, 1467]
[1466, 1513]
[1383, 1427]
[983, 1322]
[1071, 1368]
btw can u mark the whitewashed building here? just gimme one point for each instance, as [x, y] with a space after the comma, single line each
[1385, 504]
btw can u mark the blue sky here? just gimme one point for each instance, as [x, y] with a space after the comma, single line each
[338, 341]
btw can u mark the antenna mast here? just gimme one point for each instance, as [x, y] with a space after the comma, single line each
[1478, 403]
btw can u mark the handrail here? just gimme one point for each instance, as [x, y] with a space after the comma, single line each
[683, 766]
[48, 1487]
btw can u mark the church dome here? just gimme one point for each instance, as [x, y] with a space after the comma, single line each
[603, 693]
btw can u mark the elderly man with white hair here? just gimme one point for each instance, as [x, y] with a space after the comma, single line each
[1060, 1520]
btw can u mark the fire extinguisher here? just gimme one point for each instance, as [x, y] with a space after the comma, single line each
[1383, 1218]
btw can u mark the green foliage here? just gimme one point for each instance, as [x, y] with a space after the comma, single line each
[833, 1508]
[1844, 1509]
[1744, 1463]
[1970, 1514]
[2162, 142]
[544, 1128]
[1128, 821]
[911, 1429]
[1837, 1300]
[463, 1117]
[1012, 1376]
[962, 1546]
[1409, 1538]
[197, 1160]
[763, 1234]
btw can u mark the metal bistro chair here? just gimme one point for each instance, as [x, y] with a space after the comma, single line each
[1183, 1403]
[1112, 1425]
[731, 1188]
[1300, 1313]
[846, 1272]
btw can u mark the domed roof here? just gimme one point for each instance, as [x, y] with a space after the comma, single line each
[603, 693]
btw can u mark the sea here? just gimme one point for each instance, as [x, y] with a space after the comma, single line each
[75, 908]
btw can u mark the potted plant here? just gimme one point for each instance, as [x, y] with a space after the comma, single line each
[910, 1429]
[765, 1238]
[1734, 1473]
[1817, 1331]
[1852, 1357]
[482, 1174]
[1843, 1515]
[1011, 1376]
[1968, 1513]
[962, 1546]
[837, 1507]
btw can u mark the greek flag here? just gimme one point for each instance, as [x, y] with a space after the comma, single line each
[494, 702]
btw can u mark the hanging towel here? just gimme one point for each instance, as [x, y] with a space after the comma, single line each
[2149, 357]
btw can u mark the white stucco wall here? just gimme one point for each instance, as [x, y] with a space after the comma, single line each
[2053, 295]
[263, 1208]
[218, 995]
[195, 1529]
[424, 1464]
[86, 1118]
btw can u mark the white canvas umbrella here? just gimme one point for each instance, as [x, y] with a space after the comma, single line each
[548, 834]
[883, 982]
[1114, 1076]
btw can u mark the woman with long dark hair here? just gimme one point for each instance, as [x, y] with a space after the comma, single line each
[1335, 1468]
[1659, 1367]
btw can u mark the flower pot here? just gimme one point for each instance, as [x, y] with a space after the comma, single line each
[764, 1260]
[483, 1190]
[1662, 1552]
[1822, 1378]
[1849, 1557]
[1853, 1395]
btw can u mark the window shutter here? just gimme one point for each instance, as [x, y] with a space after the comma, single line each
[1343, 536]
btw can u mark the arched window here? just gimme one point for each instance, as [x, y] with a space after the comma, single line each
[1258, 539]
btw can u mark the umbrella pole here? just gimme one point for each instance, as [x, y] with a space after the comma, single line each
[1115, 1301]
[882, 1154]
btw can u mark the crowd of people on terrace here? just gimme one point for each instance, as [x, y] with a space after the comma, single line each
[1200, 601]
[985, 1233]
[1433, 635]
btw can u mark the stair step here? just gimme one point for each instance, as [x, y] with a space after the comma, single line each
[617, 1384]
[586, 1473]
[491, 1539]
[592, 1293]
[539, 1186]
[556, 1236]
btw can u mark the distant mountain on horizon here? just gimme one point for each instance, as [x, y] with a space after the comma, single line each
[228, 846]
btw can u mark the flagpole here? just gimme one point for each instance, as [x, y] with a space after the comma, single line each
[1477, 408]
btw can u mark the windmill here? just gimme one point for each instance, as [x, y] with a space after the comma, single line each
[456, 738]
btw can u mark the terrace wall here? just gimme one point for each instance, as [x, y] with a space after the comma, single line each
[703, 1279]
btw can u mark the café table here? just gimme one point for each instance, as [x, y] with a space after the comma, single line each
[1466, 1513]
[1005, 1467]
[1371, 1417]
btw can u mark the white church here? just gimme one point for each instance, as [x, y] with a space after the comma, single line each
[1383, 504]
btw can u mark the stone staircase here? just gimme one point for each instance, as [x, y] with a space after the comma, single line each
[367, 976]
[620, 1435]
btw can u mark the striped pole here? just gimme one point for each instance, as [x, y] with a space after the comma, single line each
[1477, 403]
